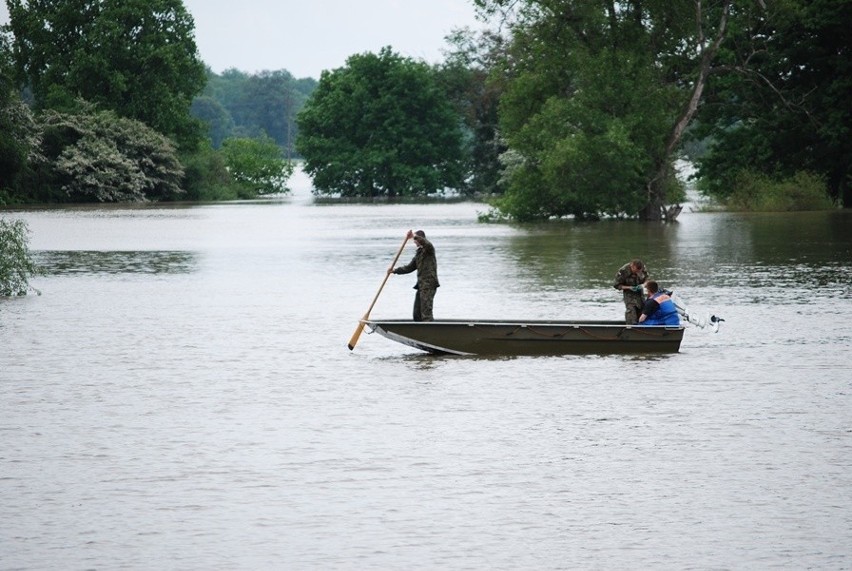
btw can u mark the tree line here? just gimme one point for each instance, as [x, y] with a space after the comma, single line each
[601, 97]
[236, 104]
[103, 100]
[561, 108]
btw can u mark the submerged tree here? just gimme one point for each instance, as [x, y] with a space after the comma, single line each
[16, 264]
[599, 95]
[380, 126]
[257, 166]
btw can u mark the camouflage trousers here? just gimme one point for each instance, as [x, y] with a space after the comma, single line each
[632, 313]
[423, 303]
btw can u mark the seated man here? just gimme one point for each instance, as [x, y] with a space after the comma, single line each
[659, 308]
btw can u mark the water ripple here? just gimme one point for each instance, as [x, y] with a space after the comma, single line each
[106, 262]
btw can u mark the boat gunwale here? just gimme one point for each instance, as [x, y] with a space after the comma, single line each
[519, 323]
[429, 335]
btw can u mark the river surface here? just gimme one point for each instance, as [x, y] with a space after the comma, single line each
[180, 395]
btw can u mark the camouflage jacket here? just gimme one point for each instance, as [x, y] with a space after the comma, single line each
[426, 264]
[626, 277]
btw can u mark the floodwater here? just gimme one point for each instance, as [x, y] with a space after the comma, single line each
[180, 395]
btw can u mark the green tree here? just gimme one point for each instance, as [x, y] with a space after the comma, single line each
[20, 138]
[135, 57]
[256, 104]
[780, 104]
[207, 177]
[599, 94]
[470, 77]
[272, 100]
[257, 166]
[220, 124]
[381, 126]
[16, 263]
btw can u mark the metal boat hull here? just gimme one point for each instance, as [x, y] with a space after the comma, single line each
[492, 337]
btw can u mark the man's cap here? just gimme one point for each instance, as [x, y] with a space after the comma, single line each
[420, 233]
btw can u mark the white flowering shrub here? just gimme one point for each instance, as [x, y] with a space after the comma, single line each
[102, 157]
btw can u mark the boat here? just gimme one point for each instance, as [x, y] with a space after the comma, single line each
[536, 337]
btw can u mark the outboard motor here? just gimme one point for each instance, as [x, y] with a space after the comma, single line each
[700, 321]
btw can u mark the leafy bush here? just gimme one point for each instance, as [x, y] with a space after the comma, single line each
[257, 166]
[206, 176]
[16, 265]
[758, 192]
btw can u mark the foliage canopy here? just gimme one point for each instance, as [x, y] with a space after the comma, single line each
[779, 107]
[381, 126]
[241, 105]
[257, 165]
[474, 89]
[135, 57]
[21, 137]
[597, 95]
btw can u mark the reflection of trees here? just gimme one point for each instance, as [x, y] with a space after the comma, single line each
[704, 250]
[97, 262]
[803, 236]
[780, 249]
[578, 255]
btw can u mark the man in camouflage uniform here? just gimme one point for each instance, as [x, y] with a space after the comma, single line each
[629, 280]
[426, 264]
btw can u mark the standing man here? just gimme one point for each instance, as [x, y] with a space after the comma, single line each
[426, 264]
[629, 280]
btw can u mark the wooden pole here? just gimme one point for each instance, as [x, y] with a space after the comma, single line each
[361, 323]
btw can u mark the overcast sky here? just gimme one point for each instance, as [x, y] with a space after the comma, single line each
[307, 36]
